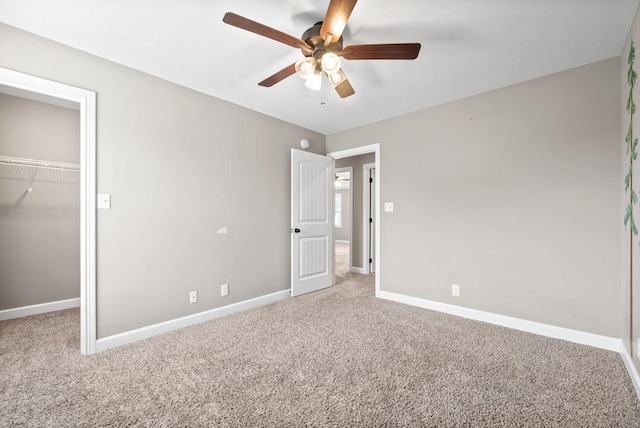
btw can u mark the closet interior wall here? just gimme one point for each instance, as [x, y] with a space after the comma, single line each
[39, 203]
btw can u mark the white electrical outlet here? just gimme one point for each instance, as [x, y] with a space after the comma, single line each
[455, 290]
[193, 297]
[224, 290]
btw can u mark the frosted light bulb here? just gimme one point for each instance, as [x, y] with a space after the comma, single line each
[314, 81]
[330, 63]
[305, 67]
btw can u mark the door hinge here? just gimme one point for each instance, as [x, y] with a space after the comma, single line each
[370, 220]
[370, 260]
[370, 180]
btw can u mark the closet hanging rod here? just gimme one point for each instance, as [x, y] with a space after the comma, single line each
[36, 163]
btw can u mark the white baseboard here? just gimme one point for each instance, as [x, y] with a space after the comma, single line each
[42, 308]
[576, 336]
[357, 270]
[633, 373]
[153, 330]
[341, 241]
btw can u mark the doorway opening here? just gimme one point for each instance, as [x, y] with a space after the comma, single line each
[43, 90]
[39, 207]
[364, 234]
[343, 220]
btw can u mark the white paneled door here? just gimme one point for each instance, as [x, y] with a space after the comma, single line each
[312, 211]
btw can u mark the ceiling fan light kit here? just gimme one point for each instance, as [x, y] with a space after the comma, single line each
[311, 70]
[322, 48]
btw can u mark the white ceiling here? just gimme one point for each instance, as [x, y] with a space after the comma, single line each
[468, 47]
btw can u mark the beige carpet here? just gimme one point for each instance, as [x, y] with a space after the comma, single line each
[337, 357]
[342, 259]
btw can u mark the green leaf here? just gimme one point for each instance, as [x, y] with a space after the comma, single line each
[634, 229]
[629, 134]
[627, 216]
[634, 197]
[627, 181]
[634, 149]
[632, 76]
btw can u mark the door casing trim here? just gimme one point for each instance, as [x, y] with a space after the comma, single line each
[85, 100]
[366, 201]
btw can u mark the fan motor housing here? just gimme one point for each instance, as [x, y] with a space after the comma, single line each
[312, 38]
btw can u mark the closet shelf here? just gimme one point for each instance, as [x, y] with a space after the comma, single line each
[36, 163]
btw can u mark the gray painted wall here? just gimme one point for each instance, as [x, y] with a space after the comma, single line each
[513, 194]
[162, 151]
[40, 230]
[356, 185]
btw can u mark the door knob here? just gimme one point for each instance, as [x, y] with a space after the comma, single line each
[296, 230]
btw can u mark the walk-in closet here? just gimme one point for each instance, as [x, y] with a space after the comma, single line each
[39, 206]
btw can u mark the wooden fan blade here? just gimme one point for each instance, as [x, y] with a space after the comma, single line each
[280, 75]
[344, 89]
[384, 51]
[261, 29]
[336, 18]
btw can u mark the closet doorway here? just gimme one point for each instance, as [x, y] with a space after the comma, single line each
[28, 87]
[39, 207]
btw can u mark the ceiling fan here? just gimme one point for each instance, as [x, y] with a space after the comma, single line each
[322, 48]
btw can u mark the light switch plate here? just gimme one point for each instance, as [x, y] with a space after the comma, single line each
[104, 201]
[388, 207]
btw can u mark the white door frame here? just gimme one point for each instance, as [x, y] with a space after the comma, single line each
[366, 201]
[86, 101]
[372, 148]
